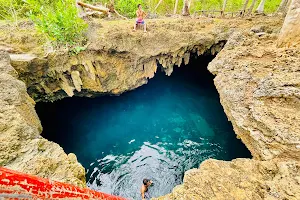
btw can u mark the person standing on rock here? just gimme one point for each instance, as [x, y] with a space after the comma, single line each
[144, 189]
[140, 13]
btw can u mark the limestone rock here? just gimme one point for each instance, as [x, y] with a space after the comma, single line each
[259, 90]
[116, 59]
[258, 85]
[239, 179]
[22, 148]
[76, 80]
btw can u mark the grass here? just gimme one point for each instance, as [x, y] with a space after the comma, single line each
[59, 21]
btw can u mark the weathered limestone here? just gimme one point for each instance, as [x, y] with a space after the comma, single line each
[290, 32]
[116, 60]
[259, 90]
[258, 85]
[240, 179]
[22, 148]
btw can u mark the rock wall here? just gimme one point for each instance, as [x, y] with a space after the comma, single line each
[257, 83]
[22, 148]
[110, 65]
[259, 90]
[240, 179]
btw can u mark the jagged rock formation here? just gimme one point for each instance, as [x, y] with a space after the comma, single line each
[257, 83]
[22, 148]
[117, 60]
[259, 90]
[240, 179]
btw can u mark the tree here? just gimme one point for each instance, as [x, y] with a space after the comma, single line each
[290, 31]
[245, 6]
[157, 5]
[175, 7]
[224, 6]
[185, 9]
[282, 6]
[252, 6]
[261, 7]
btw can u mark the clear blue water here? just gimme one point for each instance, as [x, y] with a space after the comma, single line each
[157, 131]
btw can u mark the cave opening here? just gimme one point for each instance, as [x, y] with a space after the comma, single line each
[158, 131]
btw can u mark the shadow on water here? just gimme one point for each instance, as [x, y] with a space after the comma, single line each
[157, 131]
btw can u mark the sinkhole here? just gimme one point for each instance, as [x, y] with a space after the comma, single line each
[158, 131]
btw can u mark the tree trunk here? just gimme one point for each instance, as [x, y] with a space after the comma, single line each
[157, 5]
[245, 6]
[261, 7]
[287, 6]
[185, 9]
[282, 6]
[290, 32]
[252, 6]
[97, 8]
[175, 7]
[224, 6]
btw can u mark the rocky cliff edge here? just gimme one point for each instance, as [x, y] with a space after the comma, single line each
[22, 148]
[257, 83]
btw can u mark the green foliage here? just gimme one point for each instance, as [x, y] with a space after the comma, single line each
[234, 5]
[58, 19]
[125, 7]
[206, 5]
[128, 7]
[76, 50]
[271, 6]
[13, 9]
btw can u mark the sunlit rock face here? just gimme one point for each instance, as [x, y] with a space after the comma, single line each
[259, 90]
[22, 148]
[158, 131]
[115, 59]
[96, 71]
[258, 84]
[240, 179]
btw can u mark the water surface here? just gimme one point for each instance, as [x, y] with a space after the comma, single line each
[157, 131]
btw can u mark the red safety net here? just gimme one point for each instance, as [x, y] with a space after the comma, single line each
[16, 185]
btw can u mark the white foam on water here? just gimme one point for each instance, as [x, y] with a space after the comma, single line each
[131, 141]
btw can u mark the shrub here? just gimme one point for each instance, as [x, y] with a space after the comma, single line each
[13, 9]
[58, 19]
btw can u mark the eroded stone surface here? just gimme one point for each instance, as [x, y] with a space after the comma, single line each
[258, 85]
[259, 89]
[22, 148]
[240, 179]
[117, 60]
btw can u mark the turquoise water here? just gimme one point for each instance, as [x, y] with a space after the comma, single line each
[157, 131]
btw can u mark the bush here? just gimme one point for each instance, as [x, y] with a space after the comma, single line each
[13, 9]
[58, 19]
[128, 7]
